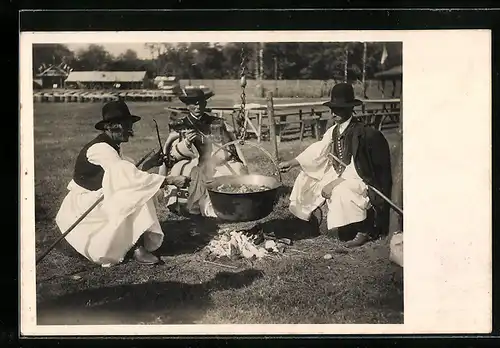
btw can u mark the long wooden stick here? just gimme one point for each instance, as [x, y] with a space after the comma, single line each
[272, 129]
[396, 222]
[203, 135]
[394, 206]
[87, 212]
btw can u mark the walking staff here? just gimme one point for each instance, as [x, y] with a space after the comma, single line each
[87, 212]
[127, 219]
[384, 197]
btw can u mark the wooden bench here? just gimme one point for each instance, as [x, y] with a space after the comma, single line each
[306, 120]
[377, 118]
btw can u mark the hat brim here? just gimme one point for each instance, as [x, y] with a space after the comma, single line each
[186, 99]
[355, 102]
[100, 125]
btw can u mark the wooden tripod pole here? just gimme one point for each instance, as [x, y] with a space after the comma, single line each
[87, 212]
[272, 127]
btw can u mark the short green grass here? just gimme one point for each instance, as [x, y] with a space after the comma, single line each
[299, 286]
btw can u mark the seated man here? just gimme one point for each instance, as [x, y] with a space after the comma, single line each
[352, 206]
[194, 138]
[126, 218]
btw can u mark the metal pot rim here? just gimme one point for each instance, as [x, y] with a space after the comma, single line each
[216, 181]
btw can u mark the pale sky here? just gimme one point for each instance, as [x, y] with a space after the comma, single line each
[116, 49]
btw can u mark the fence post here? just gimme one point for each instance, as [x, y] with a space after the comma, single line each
[272, 129]
[302, 125]
[314, 125]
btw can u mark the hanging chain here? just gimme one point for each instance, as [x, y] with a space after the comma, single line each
[243, 83]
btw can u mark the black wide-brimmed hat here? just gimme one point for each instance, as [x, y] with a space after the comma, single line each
[193, 95]
[342, 96]
[115, 111]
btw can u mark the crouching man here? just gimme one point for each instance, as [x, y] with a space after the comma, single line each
[126, 218]
[194, 146]
[353, 209]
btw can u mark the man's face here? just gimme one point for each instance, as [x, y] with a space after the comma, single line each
[121, 132]
[197, 108]
[340, 115]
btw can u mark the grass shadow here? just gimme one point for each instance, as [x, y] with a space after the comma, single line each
[186, 235]
[289, 226]
[167, 302]
[284, 191]
[289, 139]
[41, 211]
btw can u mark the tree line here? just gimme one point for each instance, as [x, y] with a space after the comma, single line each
[200, 60]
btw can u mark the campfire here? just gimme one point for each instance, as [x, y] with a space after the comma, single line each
[247, 244]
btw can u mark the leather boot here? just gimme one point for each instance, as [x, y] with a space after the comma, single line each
[315, 221]
[359, 240]
[144, 257]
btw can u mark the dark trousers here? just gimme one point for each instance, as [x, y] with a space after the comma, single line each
[367, 226]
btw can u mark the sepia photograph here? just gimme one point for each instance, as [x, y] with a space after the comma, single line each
[209, 182]
[184, 183]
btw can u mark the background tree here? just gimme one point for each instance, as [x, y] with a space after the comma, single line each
[95, 57]
[203, 60]
[45, 55]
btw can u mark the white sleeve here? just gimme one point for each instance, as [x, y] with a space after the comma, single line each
[229, 127]
[313, 160]
[103, 155]
[125, 187]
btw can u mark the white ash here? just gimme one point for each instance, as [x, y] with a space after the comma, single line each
[230, 243]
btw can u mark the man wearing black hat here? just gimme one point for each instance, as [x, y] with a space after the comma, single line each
[191, 147]
[352, 206]
[126, 218]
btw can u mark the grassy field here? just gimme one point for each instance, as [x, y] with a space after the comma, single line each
[299, 286]
[296, 88]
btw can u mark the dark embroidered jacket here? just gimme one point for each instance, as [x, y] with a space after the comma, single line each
[372, 160]
[204, 125]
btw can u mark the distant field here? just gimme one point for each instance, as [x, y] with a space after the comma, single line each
[291, 88]
[294, 88]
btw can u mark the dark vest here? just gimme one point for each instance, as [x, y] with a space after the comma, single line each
[204, 125]
[342, 146]
[89, 175]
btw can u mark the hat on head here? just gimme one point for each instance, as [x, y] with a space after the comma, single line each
[342, 96]
[176, 120]
[192, 95]
[115, 111]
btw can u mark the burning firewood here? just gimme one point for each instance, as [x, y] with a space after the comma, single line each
[249, 244]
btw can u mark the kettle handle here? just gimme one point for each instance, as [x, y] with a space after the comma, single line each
[253, 145]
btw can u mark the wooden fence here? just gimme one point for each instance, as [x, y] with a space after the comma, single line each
[101, 96]
[280, 88]
[309, 118]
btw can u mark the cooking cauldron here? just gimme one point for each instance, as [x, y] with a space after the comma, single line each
[239, 207]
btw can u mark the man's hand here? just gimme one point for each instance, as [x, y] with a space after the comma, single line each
[287, 165]
[154, 161]
[374, 199]
[191, 135]
[327, 190]
[180, 181]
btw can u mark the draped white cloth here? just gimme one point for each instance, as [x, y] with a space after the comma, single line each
[348, 202]
[126, 213]
[396, 249]
[186, 159]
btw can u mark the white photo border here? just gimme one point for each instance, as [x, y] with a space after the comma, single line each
[447, 181]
